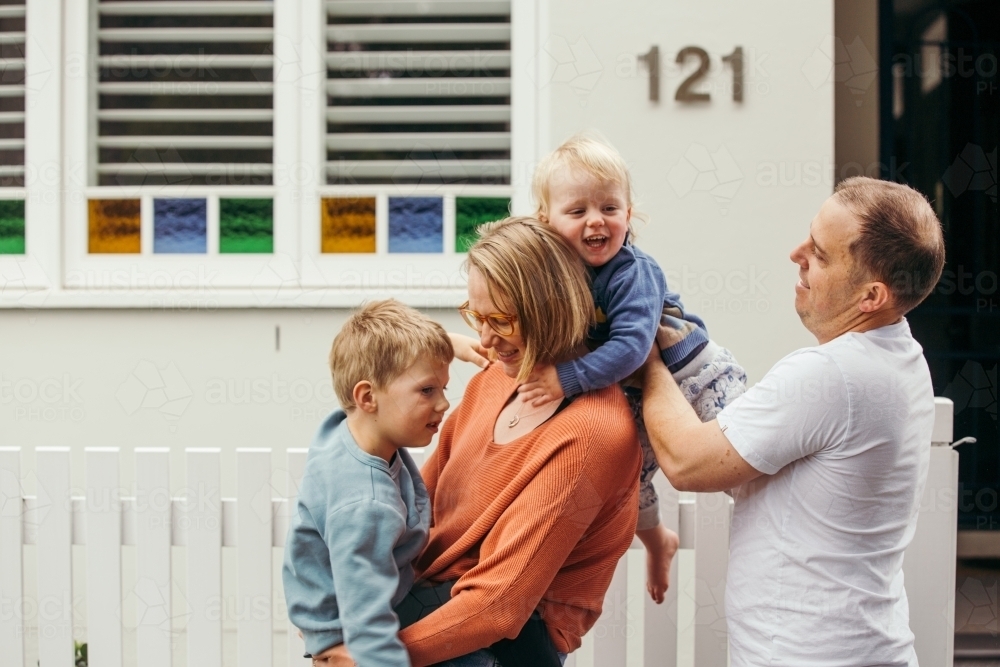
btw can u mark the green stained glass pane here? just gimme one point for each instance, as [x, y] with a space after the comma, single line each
[246, 225]
[12, 227]
[470, 212]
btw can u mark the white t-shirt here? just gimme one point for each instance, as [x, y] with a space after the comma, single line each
[842, 434]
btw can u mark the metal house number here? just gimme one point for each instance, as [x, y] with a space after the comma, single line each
[685, 93]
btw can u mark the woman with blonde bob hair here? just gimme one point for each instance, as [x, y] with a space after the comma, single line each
[525, 264]
[532, 506]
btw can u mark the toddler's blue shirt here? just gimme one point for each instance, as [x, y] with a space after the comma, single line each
[632, 303]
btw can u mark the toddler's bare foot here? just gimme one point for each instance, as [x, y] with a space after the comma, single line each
[661, 545]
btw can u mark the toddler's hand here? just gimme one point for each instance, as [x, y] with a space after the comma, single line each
[542, 386]
[469, 349]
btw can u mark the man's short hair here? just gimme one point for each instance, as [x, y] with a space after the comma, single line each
[900, 243]
[378, 342]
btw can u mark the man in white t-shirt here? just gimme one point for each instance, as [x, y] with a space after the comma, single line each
[827, 455]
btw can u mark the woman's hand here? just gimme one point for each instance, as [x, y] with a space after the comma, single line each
[335, 656]
[542, 386]
[469, 349]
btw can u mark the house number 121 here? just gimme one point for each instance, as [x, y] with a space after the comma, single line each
[684, 93]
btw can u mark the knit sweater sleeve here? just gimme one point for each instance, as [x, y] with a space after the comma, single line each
[519, 558]
[635, 303]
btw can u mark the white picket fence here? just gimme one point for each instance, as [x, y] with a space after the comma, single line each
[688, 629]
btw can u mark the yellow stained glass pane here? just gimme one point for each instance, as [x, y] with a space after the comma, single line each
[348, 224]
[114, 226]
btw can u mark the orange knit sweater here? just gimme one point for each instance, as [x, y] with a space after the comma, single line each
[539, 522]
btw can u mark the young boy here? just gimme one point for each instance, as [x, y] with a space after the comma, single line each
[363, 514]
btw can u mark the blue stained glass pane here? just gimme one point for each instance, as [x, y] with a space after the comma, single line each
[416, 224]
[179, 225]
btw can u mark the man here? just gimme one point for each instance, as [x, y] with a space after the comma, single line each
[826, 456]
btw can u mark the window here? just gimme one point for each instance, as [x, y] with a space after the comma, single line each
[12, 41]
[338, 148]
[417, 133]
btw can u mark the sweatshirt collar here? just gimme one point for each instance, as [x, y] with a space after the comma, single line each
[370, 459]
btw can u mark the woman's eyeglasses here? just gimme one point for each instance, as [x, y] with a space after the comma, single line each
[502, 323]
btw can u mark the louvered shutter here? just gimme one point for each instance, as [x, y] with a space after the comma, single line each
[12, 43]
[184, 93]
[418, 91]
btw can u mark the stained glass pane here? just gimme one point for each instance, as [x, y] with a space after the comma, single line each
[348, 224]
[12, 227]
[246, 225]
[470, 212]
[416, 224]
[114, 226]
[179, 225]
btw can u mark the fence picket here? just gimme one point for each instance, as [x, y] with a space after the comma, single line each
[253, 517]
[203, 519]
[419, 455]
[11, 572]
[103, 511]
[296, 465]
[152, 546]
[255, 522]
[930, 560]
[711, 553]
[54, 553]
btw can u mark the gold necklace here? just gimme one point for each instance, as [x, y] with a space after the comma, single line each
[517, 416]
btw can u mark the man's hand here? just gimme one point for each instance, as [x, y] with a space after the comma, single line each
[542, 386]
[654, 357]
[468, 349]
[335, 656]
[694, 456]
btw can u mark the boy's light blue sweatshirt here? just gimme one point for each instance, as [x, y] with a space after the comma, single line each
[358, 526]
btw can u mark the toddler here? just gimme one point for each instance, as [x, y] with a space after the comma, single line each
[584, 192]
[363, 514]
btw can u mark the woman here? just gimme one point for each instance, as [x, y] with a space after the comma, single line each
[533, 506]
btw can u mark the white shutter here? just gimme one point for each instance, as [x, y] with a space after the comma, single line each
[12, 95]
[184, 93]
[418, 91]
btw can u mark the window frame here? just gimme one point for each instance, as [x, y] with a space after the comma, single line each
[61, 273]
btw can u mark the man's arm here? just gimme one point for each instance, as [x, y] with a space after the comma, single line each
[695, 456]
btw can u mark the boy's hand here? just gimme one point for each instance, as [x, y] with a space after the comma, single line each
[335, 656]
[542, 386]
[469, 349]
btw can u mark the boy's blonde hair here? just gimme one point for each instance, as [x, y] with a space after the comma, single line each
[531, 270]
[582, 153]
[378, 342]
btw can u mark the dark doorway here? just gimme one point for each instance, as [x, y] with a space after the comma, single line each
[940, 126]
